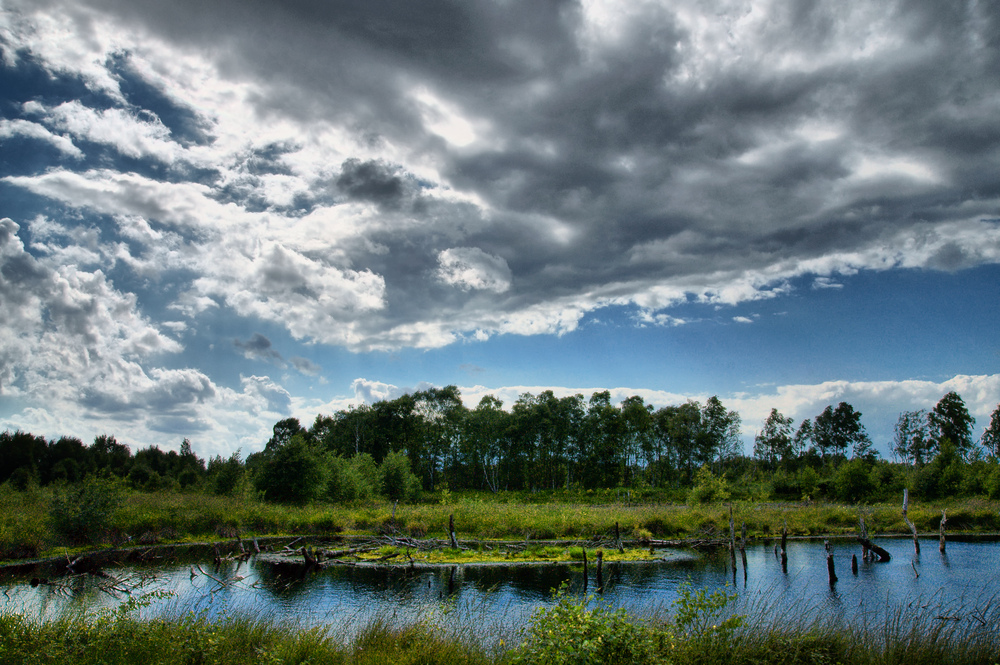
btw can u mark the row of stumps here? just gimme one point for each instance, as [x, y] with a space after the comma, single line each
[869, 550]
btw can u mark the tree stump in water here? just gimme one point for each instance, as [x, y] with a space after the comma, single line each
[913, 528]
[944, 518]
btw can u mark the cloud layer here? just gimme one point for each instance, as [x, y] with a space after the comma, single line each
[390, 175]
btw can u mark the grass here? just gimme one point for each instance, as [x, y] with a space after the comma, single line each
[699, 628]
[147, 518]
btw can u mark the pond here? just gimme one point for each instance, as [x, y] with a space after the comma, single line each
[495, 599]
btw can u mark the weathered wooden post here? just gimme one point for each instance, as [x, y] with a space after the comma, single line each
[913, 528]
[618, 539]
[586, 574]
[784, 547]
[600, 571]
[944, 518]
[732, 542]
[854, 564]
[829, 562]
[743, 552]
[451, 531]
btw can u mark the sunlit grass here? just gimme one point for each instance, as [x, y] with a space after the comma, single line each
[162, 517]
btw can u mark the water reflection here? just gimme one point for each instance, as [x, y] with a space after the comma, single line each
[504, 596]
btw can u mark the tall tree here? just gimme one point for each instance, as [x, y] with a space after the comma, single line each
[991, 437]
[835, 430]
[637, 428]
[774, 441]
[910, 440]
[684, 435]
[485, 439]
[950, 419]
[441, 414]
[720, 432]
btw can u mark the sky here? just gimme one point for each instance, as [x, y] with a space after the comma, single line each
[216, 214]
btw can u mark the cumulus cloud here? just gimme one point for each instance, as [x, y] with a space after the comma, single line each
[470, 268]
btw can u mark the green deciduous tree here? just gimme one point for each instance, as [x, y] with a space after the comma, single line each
[950, 419]
[836, 430]
[292, 472]
[774, 441]
[991, 437]
[910, 440]
[399, 483]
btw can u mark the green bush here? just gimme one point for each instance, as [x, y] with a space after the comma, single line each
[854, 483]
[81, 513]
[708, 488]
[570, 634]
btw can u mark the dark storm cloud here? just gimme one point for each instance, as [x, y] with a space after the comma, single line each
[373, 181]
[610, 152]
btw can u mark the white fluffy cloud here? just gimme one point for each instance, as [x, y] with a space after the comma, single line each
[470, 268]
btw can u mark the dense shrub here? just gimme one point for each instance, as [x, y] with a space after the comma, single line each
[708, 488]
[293, 472]
[398, 482]
[81, 513]
[854, 483]
[570, 634]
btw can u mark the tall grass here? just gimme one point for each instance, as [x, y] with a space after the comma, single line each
[699, 628]
[27, 528]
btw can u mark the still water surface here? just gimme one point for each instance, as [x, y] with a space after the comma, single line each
[494, 599]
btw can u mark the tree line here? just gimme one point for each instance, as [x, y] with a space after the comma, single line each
[430, 441]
